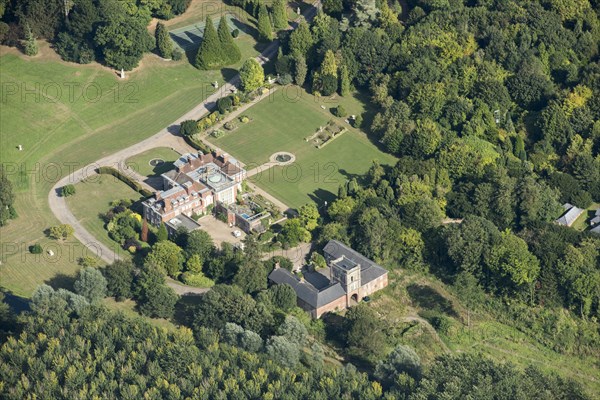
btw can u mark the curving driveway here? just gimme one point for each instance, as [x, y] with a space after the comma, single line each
[165, 138]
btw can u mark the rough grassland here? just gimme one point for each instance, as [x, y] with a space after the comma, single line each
[280, 123]
[492, 338]
[60, 132]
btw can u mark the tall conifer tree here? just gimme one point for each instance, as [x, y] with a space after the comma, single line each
[265, 31]
[228, 47]
[210, 54]
[163, 42]
[279, 15]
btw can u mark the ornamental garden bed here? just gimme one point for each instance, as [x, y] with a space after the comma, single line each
[325, 134]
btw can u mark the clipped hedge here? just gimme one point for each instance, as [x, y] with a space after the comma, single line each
[125, 179]
[197, 144]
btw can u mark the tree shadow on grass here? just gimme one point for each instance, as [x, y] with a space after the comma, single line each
[349, 176]
[429, 298]
[191, 53]
[16, 303]
[61, 281]
[246, 28]
[228, 73]
[320, 196]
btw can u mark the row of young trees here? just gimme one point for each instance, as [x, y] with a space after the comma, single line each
[110, 31]
[66, 347]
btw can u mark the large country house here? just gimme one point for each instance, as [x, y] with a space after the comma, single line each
[348, 279]
[197, 182]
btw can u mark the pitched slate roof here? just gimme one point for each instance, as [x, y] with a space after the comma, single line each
[596, 230]
[305, 291]
[369, 270]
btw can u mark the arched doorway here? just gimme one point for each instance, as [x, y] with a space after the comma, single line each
[354, 299]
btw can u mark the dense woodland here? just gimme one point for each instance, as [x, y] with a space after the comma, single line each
[493, 108]
[109, 31]
[67, 348]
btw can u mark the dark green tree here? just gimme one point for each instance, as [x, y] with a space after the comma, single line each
[119, 279]
[300, 40]
[162, 233]
[228, 47]
[210, 54]
[154, 298]
[123, 40]
[251, 277]
[279, 15]
[198, 242]
[189, 127]
[265, 31]
[282, 297]
[164, 45]
[300, 70]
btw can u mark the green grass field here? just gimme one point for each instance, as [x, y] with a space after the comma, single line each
[66, 116]
[93, 197]
[141, 162]
[582, 222]
[280, 124]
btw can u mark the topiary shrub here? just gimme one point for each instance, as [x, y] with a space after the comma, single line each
[231, 125]
[224, 104]
[340, 111]
[189, 128]
[36, 249]
[235, 33]
[67, 190]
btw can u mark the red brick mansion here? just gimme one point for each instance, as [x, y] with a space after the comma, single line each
[197, 182]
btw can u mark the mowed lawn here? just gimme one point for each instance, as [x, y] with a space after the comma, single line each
[66, 116]
[93, 197]
[141, 162]
[280, 123]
